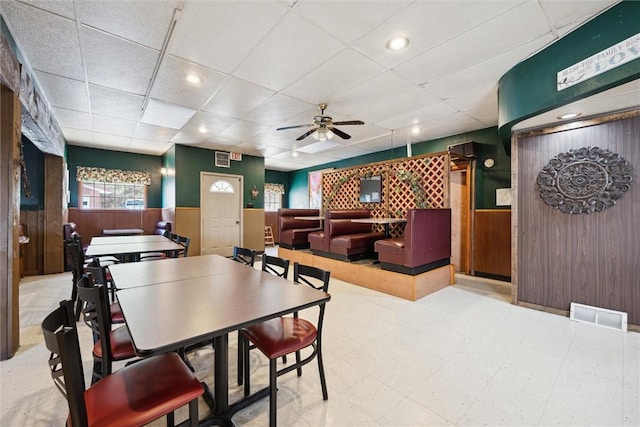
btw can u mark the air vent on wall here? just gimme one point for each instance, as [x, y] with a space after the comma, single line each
[464, 151]
[222, 159]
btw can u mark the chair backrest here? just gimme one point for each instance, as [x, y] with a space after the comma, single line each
[316, 278]
[95, 314]
[74, 246]
[65, 360]
[184, 241]
[244, 255]
[275, 265]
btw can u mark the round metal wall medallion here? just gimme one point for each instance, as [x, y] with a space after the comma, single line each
[584, 180]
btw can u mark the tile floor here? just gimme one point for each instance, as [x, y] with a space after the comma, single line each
[462, 356]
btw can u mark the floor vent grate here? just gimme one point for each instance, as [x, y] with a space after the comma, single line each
[599, 316]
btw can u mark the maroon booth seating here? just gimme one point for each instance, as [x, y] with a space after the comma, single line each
[293, 232]
[343, 239]
[425, 245]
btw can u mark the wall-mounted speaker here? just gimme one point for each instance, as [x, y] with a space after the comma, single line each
[464, 151]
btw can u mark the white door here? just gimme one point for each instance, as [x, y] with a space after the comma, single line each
[220, 211]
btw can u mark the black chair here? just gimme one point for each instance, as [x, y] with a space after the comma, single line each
[285, 335]
[278, 267]
[275, 265]
[100, 276]
[133, 396]
[184, 241]
[244, 256]
[152, 256]
[109, 345]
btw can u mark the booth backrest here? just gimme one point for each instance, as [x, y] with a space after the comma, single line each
[162, 227]
[340, 227]
[427, 235]
[347, 214]
[286, 219]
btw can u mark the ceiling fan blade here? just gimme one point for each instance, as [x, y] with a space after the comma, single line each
[349, 122]
[296, 126]
[306, 134]
[340, 133]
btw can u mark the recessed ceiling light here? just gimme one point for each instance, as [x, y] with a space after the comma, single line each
[568, 116]
[415, 130]
[202, 129]
[194, 78]
[397, 43]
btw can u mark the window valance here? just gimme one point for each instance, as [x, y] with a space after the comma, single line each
[112, 175]
[274, 188]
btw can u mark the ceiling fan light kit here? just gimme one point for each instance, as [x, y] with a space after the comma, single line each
[323, 127]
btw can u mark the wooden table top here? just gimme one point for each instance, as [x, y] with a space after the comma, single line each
[133, 248]
[170, 315]
[134, 274]
[123, 240]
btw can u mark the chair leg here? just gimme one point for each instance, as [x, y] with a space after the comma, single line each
[299, 370]
[246, 368]
[323, 381]
[273, 393]
[193, 413]
[171, 421]
[240, 357]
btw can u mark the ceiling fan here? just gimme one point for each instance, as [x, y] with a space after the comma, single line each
[324, 125]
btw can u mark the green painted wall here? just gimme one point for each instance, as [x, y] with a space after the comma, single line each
[34, 161]
[278, 177]
[93, 157]
[190, 161]
[530, 88]
[487, 180]
[169, 179]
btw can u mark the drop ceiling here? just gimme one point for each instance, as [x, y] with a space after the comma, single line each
[267, 64]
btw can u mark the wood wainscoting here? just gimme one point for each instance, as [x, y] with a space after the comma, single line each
[492, 243]
[404, 286]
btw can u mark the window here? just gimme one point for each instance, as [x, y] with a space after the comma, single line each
[273, 197]
[112, 189]
[221, 187]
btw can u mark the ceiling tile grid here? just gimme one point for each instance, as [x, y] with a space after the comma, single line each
[268, 64]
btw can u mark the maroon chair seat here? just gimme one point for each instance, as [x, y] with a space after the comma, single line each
[281, 336]
[355, 244]
[116, 313]
[120, 345]
[425, 245]
[134, 396]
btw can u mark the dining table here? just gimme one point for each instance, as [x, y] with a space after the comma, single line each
[205, 299]
[123, 240]
[130, 250]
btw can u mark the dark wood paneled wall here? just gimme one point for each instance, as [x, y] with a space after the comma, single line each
[592, 259]
[90, 223]
[271, 219]
[492, 242]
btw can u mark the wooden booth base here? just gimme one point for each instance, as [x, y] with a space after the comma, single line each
[373, 277]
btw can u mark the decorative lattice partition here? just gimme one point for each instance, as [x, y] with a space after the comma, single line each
[416, 182]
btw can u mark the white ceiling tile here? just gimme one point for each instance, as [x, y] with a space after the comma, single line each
[63, 92]
[78, 137]
[145, 22]
[117, 63]
[220, 34]
[483, 41]
[402, 105]
[487, 94]
[115, 103]
[329, 78]
[111, 141]
[242, 130]
[426, 24]
[166, 115]
[171, 84]
[72, 119]
[114, 126]
[277, 110]
[149, 147]
[483, 73]
[154, 133]
[427, 114]
[64, 8]
[338, 18]
[51, 41]
[564, 12]
[290, 51]
[237, 97]
[210, 123]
